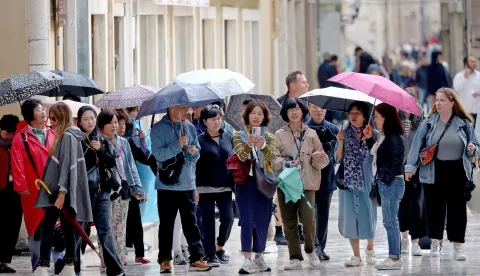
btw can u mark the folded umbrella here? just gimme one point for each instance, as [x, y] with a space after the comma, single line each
[290, 182]
[74, 84]
[338, 99]
[127, 97]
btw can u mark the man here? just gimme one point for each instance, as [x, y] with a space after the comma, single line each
[297, 85]
[391, 71]
[10, 203]
[334, 62]
[467, 85]
[171, 137]
[421, 79]
[364, 60]
[437, 76]
[326, 71]
[323, 197]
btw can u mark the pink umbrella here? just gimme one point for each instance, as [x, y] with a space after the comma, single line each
[379, 88]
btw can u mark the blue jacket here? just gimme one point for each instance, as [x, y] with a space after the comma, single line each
[427, 129]
[164, 146]
[130, 167]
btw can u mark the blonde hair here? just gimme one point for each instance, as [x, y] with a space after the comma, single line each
[458, 108]
[63, 114]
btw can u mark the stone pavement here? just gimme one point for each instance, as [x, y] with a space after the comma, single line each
[337, 247]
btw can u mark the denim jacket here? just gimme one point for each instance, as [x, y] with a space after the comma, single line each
[130, 167]
[427, 172]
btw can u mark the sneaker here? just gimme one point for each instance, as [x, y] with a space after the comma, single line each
[354, 261]
[41, 271]
[405, 246]
[280, 239]
[213, 261]
[185, 252]
[248, 267]
[294, 265]
[199, 265]
[435, 249]
[261, 265]
[371, 257]
[389, 264]
[314, 260]
[166, 267]
[416, 250]
[68, 270]
[458, 254]
[322, 255]
[142, 260]
[271, 247]
[222, 256]
[179, 259]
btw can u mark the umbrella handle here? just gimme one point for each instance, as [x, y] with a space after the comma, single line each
[39, 183]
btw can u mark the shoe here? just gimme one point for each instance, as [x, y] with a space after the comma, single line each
[405, 246]
[199, 266]
[371, 257]
[7, 269]
[248, 267]
[185, 252]
[280, 239]
[354, 261]
[271, 247]
[222, 256]
[41, 271]
[416, 250]
[294, 265]
[322, 255]
[213, 261]
[179, 259]
[142, 260]
[261, 265]
[68, 270]
[147, 246]
[459, 254]
[435, 249]
[301, 235]
[389, 264]
[59, 266]
[166, 267]
[314, 260]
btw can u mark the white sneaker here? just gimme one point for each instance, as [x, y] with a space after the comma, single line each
[371, 257]
[68, 270]
[314, 260]
[41, 271]
[261, 265]
[458, 254]
[248, 267]
[389, 264]
[435, 249]
[271, 247]
[294, 265]
[354, 261]
[416, 250]
[405, 246]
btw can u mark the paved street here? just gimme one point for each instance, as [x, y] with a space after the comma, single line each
[337, 247]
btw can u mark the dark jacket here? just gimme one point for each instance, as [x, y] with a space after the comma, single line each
[389, 157]
[326, 71]
[421, 77]
[437, 76]
[365, 61]
[211, 168]
[4, 168]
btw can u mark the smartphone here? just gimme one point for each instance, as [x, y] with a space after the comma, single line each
[94, 138]
[257, 131]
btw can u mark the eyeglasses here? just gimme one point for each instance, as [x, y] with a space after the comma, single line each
[356, 113]
[296, 109]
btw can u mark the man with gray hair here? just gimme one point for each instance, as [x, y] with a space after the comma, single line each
[326, 71]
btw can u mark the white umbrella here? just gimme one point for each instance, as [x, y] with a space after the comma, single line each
[222, 80]
[334, 98]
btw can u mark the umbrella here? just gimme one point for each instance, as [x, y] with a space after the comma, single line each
[379, 88]
[74, 84]
[71, 220]
[338, 99]
[74, 106]
[191, 95]
[290, 182]
[233, 114]
[23, 86]
[127, 97]
[222, 80]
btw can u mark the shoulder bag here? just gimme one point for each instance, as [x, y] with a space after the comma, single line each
[239, 169]
[428, 154]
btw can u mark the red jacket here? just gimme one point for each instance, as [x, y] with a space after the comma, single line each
[24, 174]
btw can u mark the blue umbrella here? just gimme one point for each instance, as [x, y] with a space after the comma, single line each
[177, 94]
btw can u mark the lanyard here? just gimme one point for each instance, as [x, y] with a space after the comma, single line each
[299, 147]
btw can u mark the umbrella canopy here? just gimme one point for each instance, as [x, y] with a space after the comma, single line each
[290, 182]
[338, 99]
[127, 97]
[74, 106]
[175, 94]
[222, 80]
[379, 88]
[233, 114]
[23, 86]
[74, 84]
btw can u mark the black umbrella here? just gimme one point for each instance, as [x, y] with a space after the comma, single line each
[74, 84]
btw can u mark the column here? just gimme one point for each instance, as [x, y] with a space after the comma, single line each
[100, 51]
[266, 46]
[219, 53]
[111, 46]
[240, 44]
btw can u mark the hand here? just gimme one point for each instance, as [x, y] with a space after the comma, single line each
[318, 154]
[259, 141]
[139, 197]
[468, 71]
[251, 141]
[471, 148]
[192, 150]
[95, 144]
[340, 135]
[368, 132]
[24, 193]
[476, 94]
[60, 200]
[182, 141]
[141, 134]
[408, 176]
[197, 196]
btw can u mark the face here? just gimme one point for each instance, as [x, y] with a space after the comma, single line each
[111, 128]
[255, 118]
[405, 71]
[440, 58]
[300, 86]
[88, 122]
[8, 136]
[442, 103]
[213, 124]
[356, 117]
[317, 113]
[122, 128]
[376, 73]
[181, 112]
[40, 114]
[133, 114]
[471, 63]
[423, 60]
[53, 120]
[197, 110]
[379, 120]
[295, 114]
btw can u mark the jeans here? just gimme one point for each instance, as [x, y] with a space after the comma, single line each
[391, 194]
[11, 210]
[323, 199]
[135, 228]
[34, 248]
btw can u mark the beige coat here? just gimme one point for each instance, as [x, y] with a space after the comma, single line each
[311, 167]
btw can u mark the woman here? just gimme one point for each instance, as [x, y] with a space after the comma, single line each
[388, 152]
[357, 216]
[124, 172]
[66, 178]
[214, 184]
[297, 145]
[450, 128]
[255, 209]
[97, 159]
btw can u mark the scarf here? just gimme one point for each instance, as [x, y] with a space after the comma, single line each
[354, 157]
[5, 143]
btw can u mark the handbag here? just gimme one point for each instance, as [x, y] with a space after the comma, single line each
[171, 169]
[266, 186]
[339, 177]
[428, 154]
[239, 169]
[375, 195]
[93, 177]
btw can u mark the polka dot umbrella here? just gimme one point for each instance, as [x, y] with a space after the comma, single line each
[23, 86]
